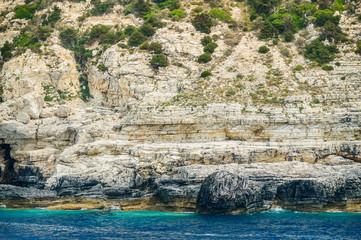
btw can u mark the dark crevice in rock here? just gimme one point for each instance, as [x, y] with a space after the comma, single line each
[8, 175]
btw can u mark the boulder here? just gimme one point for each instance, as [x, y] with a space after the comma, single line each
[64, 111]
[223, 192]
[31, 104]
[46, 113]
[23, 117]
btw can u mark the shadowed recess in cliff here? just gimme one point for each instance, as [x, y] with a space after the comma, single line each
[8, 175]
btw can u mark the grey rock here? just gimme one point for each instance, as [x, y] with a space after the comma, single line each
[223, 191]
[312, 191]
[15, 192]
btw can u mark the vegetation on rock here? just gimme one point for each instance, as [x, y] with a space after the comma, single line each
[159, 60]
[263, 49]
[203, 22]
[320, 52]
[204, 58]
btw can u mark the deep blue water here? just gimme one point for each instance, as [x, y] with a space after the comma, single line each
[46, 224]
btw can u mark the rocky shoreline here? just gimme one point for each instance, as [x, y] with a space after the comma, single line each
[160, 161]
[229, 188]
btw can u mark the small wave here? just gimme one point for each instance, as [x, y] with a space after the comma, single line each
[112, 207]
[277, 209]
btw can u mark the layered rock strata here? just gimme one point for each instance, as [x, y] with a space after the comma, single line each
[98, 157]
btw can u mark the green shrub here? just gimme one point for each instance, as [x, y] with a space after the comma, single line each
[84, 87]
[210, 47]
[204, 58]
[316, 101]
[176, 14]
[170, 4]
[198, 9]
[111, 37]
[53, 16]
[285, 52]
[159, 60]
[129, 30]
[206, 74]
[263, 7]
[239, 76]
[68, 37]
[147, 30]
[268, 31]
[155, 47]
[102, 67]
[140, 8]
[136, 39]
[48, 98]
[332, 32]
[6, 51]
[327, 68]
[98, 31]
[154, 20]
[322, 16]
[358, 47]
[230, 92]
[220, 14]
[101, 7]
[26, 41]
[205, 40]
[319, 52]
[299, 68]
[289, 37]
[203, 23]
[26, 11]
[263, 49]
[42, 33]
[144, 46]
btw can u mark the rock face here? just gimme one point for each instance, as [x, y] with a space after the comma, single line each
[254, 135]
[225, 192]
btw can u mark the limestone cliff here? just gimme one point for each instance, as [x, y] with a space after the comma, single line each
[90, 119]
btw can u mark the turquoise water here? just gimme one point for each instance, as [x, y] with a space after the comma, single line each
[46, 224]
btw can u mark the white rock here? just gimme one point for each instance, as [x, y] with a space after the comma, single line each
[46, 113]
[64, 111]
[32, 104]
[23, 117]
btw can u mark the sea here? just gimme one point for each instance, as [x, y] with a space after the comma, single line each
[112, 224]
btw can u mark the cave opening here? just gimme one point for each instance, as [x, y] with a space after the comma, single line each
[8, 174]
